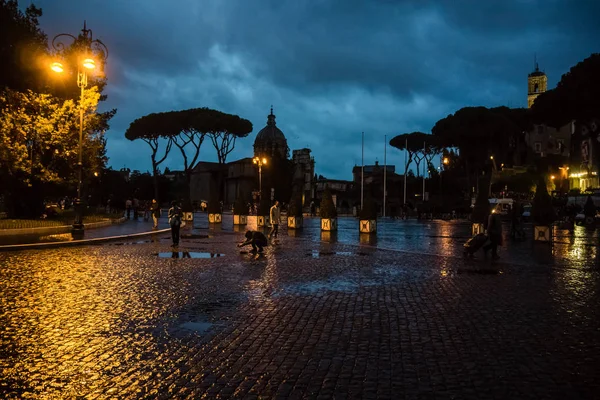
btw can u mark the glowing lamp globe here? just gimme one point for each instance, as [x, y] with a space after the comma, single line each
[57, 67]
[89, 63]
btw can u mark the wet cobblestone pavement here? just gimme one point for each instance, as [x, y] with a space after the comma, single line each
[306, 320]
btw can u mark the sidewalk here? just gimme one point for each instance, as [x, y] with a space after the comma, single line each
[120, 230]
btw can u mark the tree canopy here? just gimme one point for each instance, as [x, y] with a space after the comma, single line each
[479, 132]
[187, 129]
[575, 96]
[172, 123]
[39, 142]
[22, 46]
[419, 146]
[39, 127]
[414, 140]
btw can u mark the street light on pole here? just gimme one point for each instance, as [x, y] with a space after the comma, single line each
[85, 62]
[260, 162]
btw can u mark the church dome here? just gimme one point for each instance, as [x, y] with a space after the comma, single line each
[270, 140]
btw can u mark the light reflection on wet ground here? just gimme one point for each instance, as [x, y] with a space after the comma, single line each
[189, 254]
[119, 321]
[447, 238]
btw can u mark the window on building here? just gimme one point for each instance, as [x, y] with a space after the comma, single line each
[536, 88]
[537, 147]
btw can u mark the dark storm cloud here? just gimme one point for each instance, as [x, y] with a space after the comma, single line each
[331, 68]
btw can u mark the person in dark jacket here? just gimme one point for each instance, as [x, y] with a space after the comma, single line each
[494, 231]
[175, 222]
[257, 239]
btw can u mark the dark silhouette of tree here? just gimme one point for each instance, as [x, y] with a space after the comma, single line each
[226, 128]
[154, 129]
[419, 146]
[413, 144]
[23, 47]
[186, 130]
[223, 133]
[575, 96]
[478, 133]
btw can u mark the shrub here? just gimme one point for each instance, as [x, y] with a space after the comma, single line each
[542, 211]
[481, 209]
[295, 207]
[328, 209]
[240, 207]
[369, 210]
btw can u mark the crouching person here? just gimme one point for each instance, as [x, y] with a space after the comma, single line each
[257, 239]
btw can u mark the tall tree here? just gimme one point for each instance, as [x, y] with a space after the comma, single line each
[192, 130]
[224, 132]
[39, 145]
[412, 143]
[186, 130]
[479, 133]
[23, 47]
[575, 96]
[155, 129]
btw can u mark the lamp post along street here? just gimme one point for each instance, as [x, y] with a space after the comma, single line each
[362, 173]
[384, 172]
[91, 47]
[260, 162]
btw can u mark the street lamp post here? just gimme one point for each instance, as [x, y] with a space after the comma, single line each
[260, 162]
[85, 62]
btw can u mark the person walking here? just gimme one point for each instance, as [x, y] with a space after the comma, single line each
[274, 215]
[136, 208]
[494, 231]
[516, 230]
[155, 210]
[175, 222]
[128, 205]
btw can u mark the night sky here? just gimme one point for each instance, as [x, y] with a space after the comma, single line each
[331, 69]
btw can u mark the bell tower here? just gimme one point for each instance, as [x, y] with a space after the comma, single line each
[537, 83]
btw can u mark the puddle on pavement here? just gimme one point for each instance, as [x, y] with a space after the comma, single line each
[196, 326]
[194, 236]
[317, 253]
[189, 254]
[340, 284]
[478, 271]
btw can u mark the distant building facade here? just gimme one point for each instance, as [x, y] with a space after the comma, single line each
[304, 173]
[585, 155]
[546, 140]
[343, 193]
[240, 178]
[373, 178]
